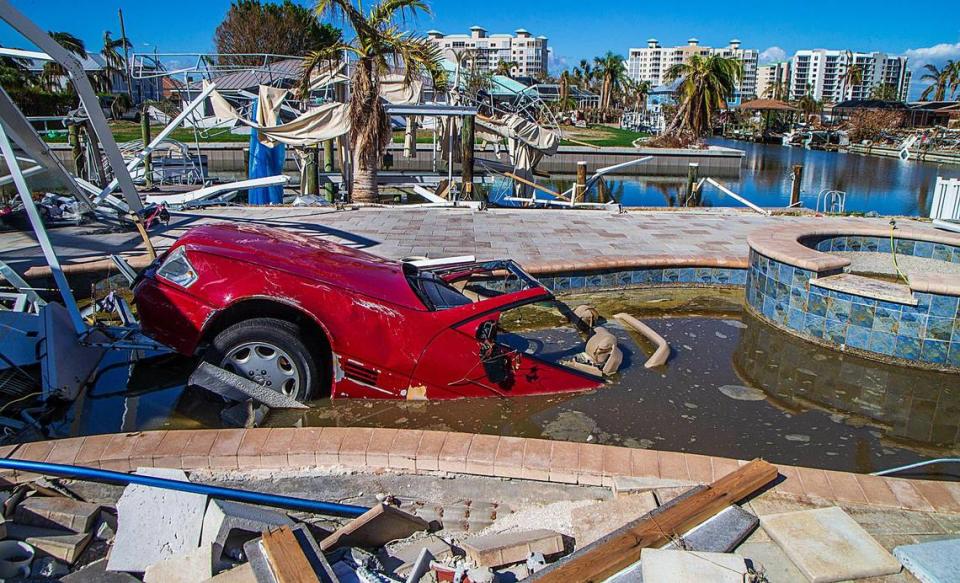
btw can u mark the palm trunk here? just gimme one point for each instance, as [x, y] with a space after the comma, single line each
[365, 178]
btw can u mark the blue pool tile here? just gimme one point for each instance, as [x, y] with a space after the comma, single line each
[862, 315]
[883, 245]
[935, 351]
[800, 277]
[953, 356]
[593, 280]
[944, 306]
[608, 280]
[890, 306]
[578, 282]
[623, 278]
[923, 302]
[905, 246]
[795, 319]
[886, 320]
[786, 273]
[835, 331]
[739, 276]
[798, 299]
[813, 325]
[656, 275]
[817, 303]
[870, 244]
[912, 325]
[723, 276]
[882, 342]
[939, 328]
[854, 243]
[838, 309]
[858, 337]
[908, 348]
[942, 252]
[768, 305]
[839, 244]
[923, 249]
[671, 275]
[687, 275]
[548, 282]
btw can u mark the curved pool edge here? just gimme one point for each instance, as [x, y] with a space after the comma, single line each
[427, 452]
[793, 283]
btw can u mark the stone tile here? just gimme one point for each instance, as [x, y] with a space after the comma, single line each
[723, 466]
[886, 521]
[940, 495]
[275, 448]
[877, 492]
[931, 561]
[251, 446]
[482, 453]
[328, 447]
[302, 450]
[699, 468]
[812, 539]
[353, 448]
[790, 485]
[145, 445]
[92, 450]
[378, 450]
[536, 460]
[845, 487]
[116, 456]
[169, 452]
[815, 483]
[591, 464]
[768, 558]
[672, 465]
[597, 520]
[907, 495]
[453, 454]
[403, 454]
[508, 461]
[644, 463]
[616, 462]
[65, 451]
[428, 452]
[223, 452]
[669, 566]
[565, 462]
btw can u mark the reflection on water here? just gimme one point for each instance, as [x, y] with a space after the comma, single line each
[886, 185]
[818, 407]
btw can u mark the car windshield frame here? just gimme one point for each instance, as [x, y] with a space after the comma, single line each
[439, 277]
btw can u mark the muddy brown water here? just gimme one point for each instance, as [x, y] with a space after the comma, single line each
[733, 387]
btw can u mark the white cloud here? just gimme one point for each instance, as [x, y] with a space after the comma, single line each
[936, 55]
[772, 55]
[556, 63]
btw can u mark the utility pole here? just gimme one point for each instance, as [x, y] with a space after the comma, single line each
[126, 56]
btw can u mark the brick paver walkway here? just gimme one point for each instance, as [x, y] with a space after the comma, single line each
[529, 236]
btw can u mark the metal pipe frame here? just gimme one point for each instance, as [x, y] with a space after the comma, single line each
[51, 256]
[19, 22]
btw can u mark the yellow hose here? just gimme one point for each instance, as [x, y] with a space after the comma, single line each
[893, 250]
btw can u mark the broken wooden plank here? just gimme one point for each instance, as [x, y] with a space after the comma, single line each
[287, 560]
[621, 548]
[375, 528]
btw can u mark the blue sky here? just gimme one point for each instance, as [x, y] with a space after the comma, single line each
[577, 28]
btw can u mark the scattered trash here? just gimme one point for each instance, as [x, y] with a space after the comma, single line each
[741, 393]
[15, 559]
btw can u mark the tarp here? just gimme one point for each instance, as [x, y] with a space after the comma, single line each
[265, 161]
[393, 89]
[527, 142]
[316, 125]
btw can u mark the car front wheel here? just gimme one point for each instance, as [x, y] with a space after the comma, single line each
[270, 352]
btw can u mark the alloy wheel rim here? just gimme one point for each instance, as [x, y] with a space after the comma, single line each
[265, 364]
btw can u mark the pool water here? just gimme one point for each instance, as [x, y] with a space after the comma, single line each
[733, 387]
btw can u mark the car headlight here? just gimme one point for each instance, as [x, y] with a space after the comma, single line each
[176, 268]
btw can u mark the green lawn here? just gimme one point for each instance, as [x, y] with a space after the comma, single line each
[127, 131]
[601, 135]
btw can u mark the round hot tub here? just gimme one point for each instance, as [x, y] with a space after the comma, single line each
[887, 293]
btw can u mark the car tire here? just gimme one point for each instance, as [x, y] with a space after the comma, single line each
[292, 354]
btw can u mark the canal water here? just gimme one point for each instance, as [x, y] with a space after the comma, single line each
[887, 186]
[733, 387]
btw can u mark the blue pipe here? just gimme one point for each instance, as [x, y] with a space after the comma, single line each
[95, 475]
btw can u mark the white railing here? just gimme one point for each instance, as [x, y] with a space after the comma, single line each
[946, 199]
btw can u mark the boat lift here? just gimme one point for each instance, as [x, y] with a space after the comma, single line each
[568, 198]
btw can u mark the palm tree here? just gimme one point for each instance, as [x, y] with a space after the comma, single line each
[852, 76]
[564, 90]
[377, 42]
[505, 68]
[611, 71]
[584, 74]
[113, 61]
[777, 90]
[809, 105]
[53, 74]
[943, 82]
[706, 85]
[639, 91]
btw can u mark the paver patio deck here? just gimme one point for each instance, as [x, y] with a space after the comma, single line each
[542, 240]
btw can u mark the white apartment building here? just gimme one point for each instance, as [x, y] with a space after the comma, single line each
[652, 63]
[821, 72]
[528, 52]
[770, 76]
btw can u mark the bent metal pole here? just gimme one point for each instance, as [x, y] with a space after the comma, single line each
[233, 494]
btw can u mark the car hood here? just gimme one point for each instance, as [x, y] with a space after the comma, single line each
[311, 258]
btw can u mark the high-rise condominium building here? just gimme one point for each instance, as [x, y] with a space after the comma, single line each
[773, 80]
[652, 63]
[529, 53]
[822, 73]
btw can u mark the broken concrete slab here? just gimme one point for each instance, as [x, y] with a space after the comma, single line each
[672, 566]
[400, 559]
[494, 550]
[420, 567]
[632, 574]
[932, 562]
[96, 572]
[239, 574]
[593, 522]
[719, 534]
[237, 388]
[827, 545]
[245, 414]
[626, 485]
[188, 567]
[374, 528]
[228, 525]
[57, 512]
[65, 547]
[153, 523]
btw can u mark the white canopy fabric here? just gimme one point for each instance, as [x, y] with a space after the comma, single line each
[395, 91]
[527, 143]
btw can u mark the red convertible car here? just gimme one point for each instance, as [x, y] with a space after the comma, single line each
[311, 318]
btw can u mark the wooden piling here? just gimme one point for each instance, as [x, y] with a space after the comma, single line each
[693, 171]
[145, 136]
[581, 185]
[467, 142]
[328, 166]
[311, 168]
[797, 179]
